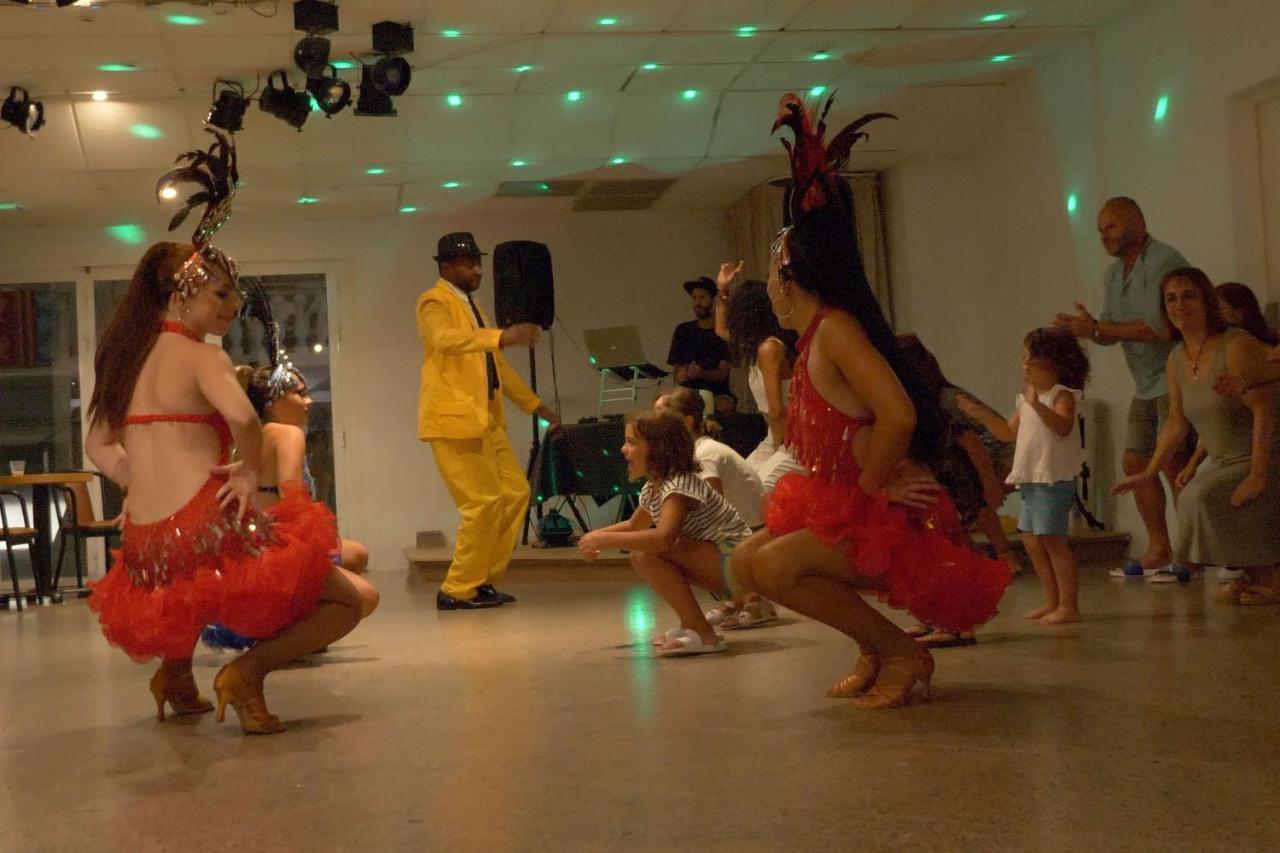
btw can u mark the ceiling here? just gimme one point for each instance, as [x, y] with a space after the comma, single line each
[929, 61]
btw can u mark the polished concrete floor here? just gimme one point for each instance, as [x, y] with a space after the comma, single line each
[548, 725]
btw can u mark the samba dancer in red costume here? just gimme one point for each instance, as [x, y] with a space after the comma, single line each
[164, 415]
[869, 519]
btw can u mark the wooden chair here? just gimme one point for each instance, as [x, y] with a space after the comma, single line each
[13, 535]
[78, 523]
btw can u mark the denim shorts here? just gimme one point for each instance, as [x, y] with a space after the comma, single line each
[1046, 508]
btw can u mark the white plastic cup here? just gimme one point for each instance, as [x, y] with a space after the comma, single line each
[17, 467]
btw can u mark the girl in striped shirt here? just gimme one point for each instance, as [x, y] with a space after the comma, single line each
[680, 535]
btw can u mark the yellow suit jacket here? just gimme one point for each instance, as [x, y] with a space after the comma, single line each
[453, 394]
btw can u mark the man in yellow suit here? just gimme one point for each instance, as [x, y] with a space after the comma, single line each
[460, 411]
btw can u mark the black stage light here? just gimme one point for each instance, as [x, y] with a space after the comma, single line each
[23, 113]
[315, 17]
[392, 39]
[372, 101]
[285, 102]
[312, 55]
[391, 74]
[227, 112]
[331, 93]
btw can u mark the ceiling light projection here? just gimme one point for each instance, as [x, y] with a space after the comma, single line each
[821, 56]
[573, 96]
[451, 34]
[608, 22]
[9, 205]
[817, 91]
[520, 69]
[117, 67]
[1162, 108]
[146, 131]
[99, 96]
[451, 185]
[519, 163]
[994, 17]
[184, 20]
[1073, 202]
[746, 31]
[229, 104]
[290, 105]
[408, 208]
[307, 199]
[129, 233]
[617, 161]
[22, 112]
[375, 170]
[689, 94]
[453, 99]
[650, 66]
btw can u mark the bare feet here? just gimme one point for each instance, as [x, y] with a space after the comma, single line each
[1040, 612]
[1060, 617]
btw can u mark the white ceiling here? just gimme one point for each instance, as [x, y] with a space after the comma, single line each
[927, 60]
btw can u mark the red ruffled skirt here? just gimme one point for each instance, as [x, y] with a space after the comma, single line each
[199, 567]
[922, 557]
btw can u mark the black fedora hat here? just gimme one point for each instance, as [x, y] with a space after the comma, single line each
[459, 244]
[700, 283]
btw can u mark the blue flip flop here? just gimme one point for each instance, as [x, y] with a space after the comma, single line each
[1133, 569]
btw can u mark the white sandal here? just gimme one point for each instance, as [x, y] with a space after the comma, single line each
[689, 643]
[668, 636]
[720, 613]
[754, 614]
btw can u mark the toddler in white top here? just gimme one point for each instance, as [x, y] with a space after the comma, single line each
[1047, 457]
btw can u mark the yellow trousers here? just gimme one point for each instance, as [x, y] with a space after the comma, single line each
[492, 494]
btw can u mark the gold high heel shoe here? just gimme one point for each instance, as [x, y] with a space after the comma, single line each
[864, 672]
[896, 681]
[231, 686]
[179, 691]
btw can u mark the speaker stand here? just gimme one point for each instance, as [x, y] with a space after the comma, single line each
[534, 450]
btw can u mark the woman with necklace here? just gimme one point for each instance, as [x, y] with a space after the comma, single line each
[1227, 512]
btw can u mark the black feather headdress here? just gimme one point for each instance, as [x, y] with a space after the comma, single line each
[257, 306]
[216, 176]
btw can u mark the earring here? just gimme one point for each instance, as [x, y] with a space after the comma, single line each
[790, 310]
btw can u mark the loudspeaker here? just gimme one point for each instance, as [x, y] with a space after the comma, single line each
[523, 287]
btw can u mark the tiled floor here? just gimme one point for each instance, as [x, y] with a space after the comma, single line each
[548, 725]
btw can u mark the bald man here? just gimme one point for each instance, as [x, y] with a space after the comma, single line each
[1131, 317]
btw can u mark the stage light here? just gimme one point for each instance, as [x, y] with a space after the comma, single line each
[391, 74]
[99, 96]
[372, 101]
[311, 55]
[169, 192]
[331, 94]
[315, 17]
[285, 102]
[227, 112]
[22, 112]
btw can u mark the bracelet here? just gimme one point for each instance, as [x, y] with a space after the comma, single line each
[1097, 328]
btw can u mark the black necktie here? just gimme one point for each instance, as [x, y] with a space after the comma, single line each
[490, 366]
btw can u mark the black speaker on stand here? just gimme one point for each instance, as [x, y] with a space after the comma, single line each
[524, 292]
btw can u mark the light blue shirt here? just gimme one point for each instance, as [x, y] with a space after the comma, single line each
[1138, 298]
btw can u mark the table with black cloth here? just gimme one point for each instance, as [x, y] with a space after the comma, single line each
[585, 459]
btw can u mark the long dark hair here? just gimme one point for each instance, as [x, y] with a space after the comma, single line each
[132, 332]
[824, 261]
[917, 358]
[1214, 324]
[751, 321]
[1241, 298]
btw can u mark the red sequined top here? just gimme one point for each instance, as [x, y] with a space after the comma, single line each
[818, 434]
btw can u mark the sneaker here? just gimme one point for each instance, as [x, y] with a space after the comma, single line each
[1172, 573]
[1133, 569]
[1226, 575]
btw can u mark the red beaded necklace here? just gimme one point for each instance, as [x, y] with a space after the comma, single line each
[181, 329]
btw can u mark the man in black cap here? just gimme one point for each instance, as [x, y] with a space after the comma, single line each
[699, 357]
[460, 411]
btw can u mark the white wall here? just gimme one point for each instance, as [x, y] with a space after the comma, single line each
[611, 269]
[983, 247]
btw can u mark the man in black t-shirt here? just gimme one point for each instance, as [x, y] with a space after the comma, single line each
[698, 357]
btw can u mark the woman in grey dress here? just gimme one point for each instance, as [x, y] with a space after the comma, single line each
[1227, 514]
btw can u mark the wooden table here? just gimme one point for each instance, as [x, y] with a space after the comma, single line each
[42, 548]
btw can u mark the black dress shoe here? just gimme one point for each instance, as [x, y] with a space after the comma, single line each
[488, 592]
[444, 601]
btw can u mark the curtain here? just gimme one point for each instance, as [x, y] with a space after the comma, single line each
[755, 219]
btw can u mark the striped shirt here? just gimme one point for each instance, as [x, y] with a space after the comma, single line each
[712, 519]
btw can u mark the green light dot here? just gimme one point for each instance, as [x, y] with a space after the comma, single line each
[518, 163]
[746, 31]
[315, 105]
[593, 360]
[1002, 57]
[375, 170]
[573, 95]
[543, 423]
[1162, 108]
[608, 22]
[453, 99]
[408, 208]
[821, 56]
[689, 94]
[520, 69]
[306, 199]
[8, 205]
[451, 185]
[117, 67]
[344, 64]
[129, 233]
[1073, 202]
[817, 91]
[540, 499]
[546, 188]
[994, 17]
[650, 66]
[146, 131]
[617, 488]
[451, 34]
[184, 20]
[579, 473]
[618, 161]
[606, 451]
